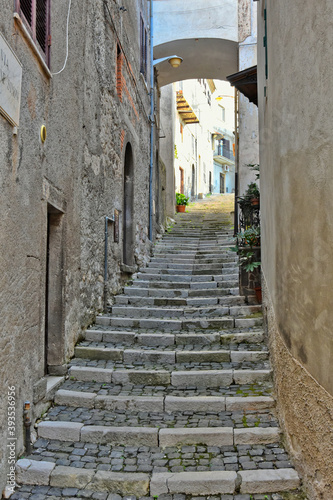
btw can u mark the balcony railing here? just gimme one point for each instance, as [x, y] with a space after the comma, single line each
[223, 151]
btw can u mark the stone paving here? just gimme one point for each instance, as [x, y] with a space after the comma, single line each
[169, 396]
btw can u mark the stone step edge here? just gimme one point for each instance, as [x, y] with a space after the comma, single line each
[150, 436]
[176, 378]
[168, 356]
[31, 472]
[64, 397]
[174, 339]
[225, 321]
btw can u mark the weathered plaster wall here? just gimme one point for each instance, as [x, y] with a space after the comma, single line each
[297, 231]
[305, 412]
[79, 170]
[248, 112]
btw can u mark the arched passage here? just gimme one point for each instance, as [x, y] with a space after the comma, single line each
[128, 235]
[203, 32]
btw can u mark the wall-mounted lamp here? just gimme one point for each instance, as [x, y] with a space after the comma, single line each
[175, 61]
[220, 97]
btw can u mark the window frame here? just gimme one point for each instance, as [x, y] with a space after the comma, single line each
[31, 27]
[143, 48]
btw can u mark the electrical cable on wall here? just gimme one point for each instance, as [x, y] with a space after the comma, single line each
[64, 66]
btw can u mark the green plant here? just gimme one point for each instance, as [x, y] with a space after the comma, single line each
[248, 238]
[181, 199]
[252, 191]
[255, 167]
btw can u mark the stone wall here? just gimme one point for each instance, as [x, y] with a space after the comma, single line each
[305, 412]
[296, 153]
[56, 194]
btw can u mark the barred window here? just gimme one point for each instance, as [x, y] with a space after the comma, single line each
[36, 16]
[143, 48]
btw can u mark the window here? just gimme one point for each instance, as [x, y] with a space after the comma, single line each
[119, 77]
[35, 15]
[143, 48]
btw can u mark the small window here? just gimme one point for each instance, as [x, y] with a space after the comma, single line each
[222, 113]
[119, 75]
[35, 15]
[143, 48]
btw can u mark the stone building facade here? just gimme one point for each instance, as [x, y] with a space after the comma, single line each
[296, 153]
[94, 119]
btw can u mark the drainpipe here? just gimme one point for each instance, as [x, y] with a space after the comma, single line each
[152, 123]
[236, 164]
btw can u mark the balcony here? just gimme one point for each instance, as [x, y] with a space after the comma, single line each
[223, 155]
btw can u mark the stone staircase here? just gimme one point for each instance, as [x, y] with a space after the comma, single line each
[170, 395]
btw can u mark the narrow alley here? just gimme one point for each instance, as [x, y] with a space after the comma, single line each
[170, 395]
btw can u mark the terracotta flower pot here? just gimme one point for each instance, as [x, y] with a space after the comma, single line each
[181, 208]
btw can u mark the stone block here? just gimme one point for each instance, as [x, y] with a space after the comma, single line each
[257, 435]
[210, 436]
[202, 378]
[39, 390]
[119, 337]
[199, 338]
[93, 335]
[59, 430]
[195, 404]
[75, 398]
[249, 403]
[136, 403]
[33, 472]
[202, 356]
[89, 374]
[136, 484]
[103, 320]
[150, 339]
[194, 483]
[152, 356]
[132, 436]
[239, 356]
[268, 481]
[242, 377]
[145, 377]
[71, 477]
[99, 353]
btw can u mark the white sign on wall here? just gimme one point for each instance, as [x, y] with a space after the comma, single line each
[10, 83]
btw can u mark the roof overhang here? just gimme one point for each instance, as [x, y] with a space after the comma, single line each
[184, 109]
[246, 82]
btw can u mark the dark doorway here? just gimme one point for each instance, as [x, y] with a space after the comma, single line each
[54, 327]
[181, 174]
[222, 183]
[128, 238]
[210, 182]
[193, 182]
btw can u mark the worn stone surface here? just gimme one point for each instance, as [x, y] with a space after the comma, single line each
[70, 477]
[33, 472]
[123, 484]
[269, 480]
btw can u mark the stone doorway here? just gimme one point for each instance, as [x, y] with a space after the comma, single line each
[54, 324]
[128, 238]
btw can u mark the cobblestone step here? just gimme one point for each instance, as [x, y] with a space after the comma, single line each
[170, 395]
[169, 355]
[199, 378]
[106, 388]
[155, 339]
[130, 435]
[251, 405]
[161, 311]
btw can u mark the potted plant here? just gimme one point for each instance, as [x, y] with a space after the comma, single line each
[247, 245]
[181, 202]
[253, 193]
